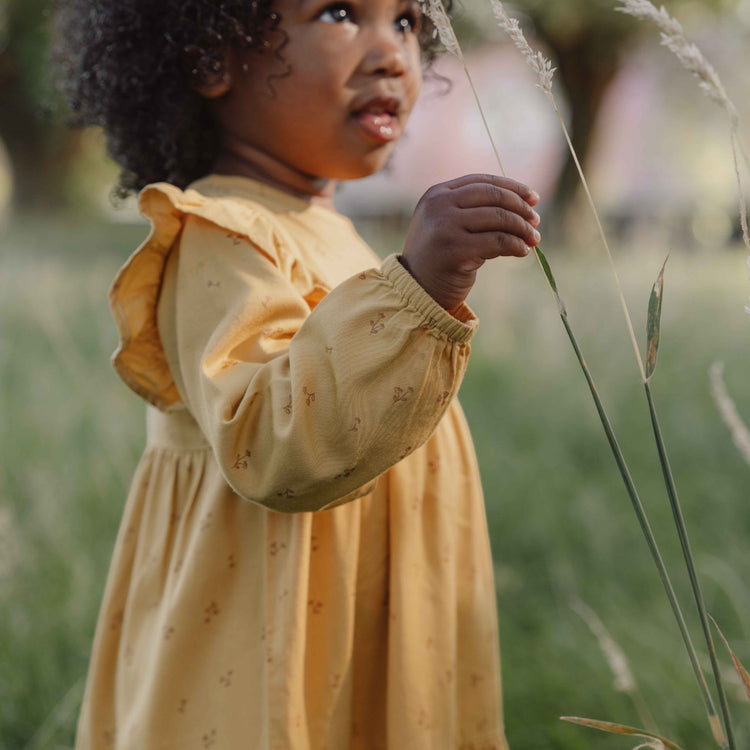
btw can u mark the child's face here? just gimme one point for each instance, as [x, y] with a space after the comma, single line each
[337, 101]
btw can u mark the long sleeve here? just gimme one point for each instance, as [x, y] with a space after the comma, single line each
[304, 408]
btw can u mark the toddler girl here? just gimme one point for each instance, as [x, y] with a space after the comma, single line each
[303, 562]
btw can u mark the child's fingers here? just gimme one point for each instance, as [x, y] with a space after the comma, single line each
[477, 195]
[488, 245]
[500, 221]
[524, 191]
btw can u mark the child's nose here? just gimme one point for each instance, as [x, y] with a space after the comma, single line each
[386, 54]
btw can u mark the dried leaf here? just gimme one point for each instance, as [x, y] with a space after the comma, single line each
[717, 730]
[607, 726]
[654, 322]
[744, 676]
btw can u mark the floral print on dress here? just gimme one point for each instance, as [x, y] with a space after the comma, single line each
[242, 460]
[402, 394]
[226, 679]
[210, 612]
[476, 679]
[275, 547]
[377, 325]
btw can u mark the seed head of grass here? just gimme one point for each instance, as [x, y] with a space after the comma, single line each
[443, 28]
[536, 60]
[728, 410]
[692, 59]
[615, 656]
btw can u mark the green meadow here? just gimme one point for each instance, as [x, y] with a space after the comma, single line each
[562, 527]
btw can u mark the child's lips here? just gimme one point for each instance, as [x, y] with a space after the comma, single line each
[378, 117]
[380, 126]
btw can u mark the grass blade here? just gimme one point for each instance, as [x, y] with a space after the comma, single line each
[654, 323]
[540, 256]
[608, 726]
[744, 676]
[647, 533]
[719, 735]
[545, 72]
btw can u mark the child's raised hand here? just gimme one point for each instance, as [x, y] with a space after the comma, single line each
[458, 225]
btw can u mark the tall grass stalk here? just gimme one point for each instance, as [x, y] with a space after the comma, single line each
[679, 520]
[59, 716]
[728, 410]
[624, 679]
[653, 547]
[692, 59]
[711, 84]
[544, 71]
[444, 30]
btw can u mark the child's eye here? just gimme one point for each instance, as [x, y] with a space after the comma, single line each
[336, 13]
[409, 22]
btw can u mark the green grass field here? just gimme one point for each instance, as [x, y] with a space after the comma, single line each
[561, 523]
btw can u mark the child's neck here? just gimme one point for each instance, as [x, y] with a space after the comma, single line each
[243, 160]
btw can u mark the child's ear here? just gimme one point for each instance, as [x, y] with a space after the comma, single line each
[210, 78]
[215, 86]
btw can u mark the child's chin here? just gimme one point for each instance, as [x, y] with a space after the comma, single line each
[364, 168]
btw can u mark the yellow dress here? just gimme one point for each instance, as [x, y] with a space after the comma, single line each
[303, 561]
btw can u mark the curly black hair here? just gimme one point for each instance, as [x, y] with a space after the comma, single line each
[132, 67]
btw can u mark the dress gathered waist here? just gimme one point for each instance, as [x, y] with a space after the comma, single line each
[173, 429]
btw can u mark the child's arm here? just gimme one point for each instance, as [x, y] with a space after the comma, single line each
[302, 409]
[460, 224]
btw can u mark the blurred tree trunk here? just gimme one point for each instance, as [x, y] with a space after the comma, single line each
[587, 40]
[586, 65]
[41, 149]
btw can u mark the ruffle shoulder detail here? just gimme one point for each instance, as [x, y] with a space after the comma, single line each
[140, 359]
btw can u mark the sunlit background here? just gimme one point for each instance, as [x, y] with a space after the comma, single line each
[657, 155]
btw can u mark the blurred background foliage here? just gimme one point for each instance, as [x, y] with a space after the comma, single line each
[587, 43]
[585, 39]
[560, 522]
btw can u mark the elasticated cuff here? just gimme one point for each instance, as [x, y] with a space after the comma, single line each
[459, 327]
